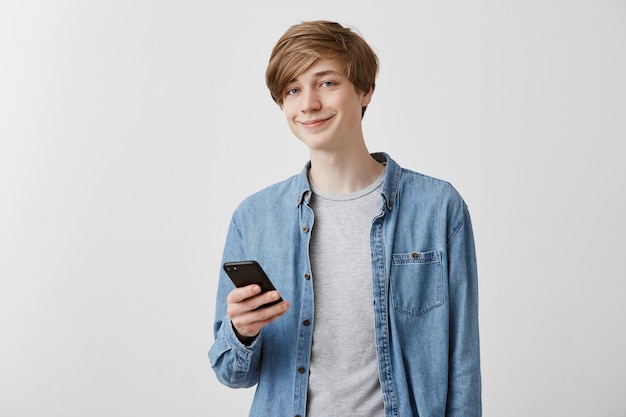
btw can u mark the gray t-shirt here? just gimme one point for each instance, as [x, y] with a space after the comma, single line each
[343, 379]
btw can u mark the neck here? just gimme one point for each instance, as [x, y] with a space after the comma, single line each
[343, 173]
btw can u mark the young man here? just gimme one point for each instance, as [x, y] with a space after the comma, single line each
[375, 263]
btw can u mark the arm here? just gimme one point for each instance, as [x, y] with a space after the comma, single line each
[235, 364]
[235, 354]
[464, 379]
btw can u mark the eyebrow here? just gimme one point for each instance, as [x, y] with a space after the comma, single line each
[327, 72]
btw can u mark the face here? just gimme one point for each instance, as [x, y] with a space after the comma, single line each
[323, 109]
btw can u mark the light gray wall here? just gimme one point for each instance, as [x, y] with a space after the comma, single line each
[129, 130]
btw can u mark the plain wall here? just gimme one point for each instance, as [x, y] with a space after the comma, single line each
[129, 131]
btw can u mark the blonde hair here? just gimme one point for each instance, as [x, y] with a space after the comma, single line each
[304, 43]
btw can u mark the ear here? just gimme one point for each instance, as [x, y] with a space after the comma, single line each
[367, 97]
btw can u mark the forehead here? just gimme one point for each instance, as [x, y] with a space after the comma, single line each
[320, 68]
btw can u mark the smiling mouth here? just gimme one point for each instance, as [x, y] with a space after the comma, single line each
[314, 123]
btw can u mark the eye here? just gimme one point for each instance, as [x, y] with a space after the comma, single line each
[292, 91]
[328, 83]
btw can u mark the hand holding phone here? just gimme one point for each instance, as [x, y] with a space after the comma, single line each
[247, 323]
[243, 273]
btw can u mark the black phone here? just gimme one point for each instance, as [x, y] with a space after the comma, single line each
[244, 273]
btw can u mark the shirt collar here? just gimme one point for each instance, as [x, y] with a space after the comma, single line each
[390, 186]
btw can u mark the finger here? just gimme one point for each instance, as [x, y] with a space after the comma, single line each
[250, 324]
[235, 309]
[240, 294]
[264, 298]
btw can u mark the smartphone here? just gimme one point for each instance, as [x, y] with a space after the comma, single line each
[244, 273]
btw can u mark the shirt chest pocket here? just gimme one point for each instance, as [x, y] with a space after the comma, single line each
[416, 282]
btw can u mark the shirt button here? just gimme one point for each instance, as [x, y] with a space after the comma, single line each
[415, 255]
[305, 229]
[300, 370]
[306, 322]
[307, 277]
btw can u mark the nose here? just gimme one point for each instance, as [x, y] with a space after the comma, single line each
[310, 101]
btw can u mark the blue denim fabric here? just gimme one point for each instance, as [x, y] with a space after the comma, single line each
[425, 298]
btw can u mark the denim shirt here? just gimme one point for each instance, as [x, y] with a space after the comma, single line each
[425, 298]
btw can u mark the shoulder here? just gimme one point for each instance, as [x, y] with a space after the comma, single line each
[415, 192]
[426, 187]
[274, 196]
[431, 198]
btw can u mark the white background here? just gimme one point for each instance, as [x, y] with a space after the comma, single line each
[129, 130]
